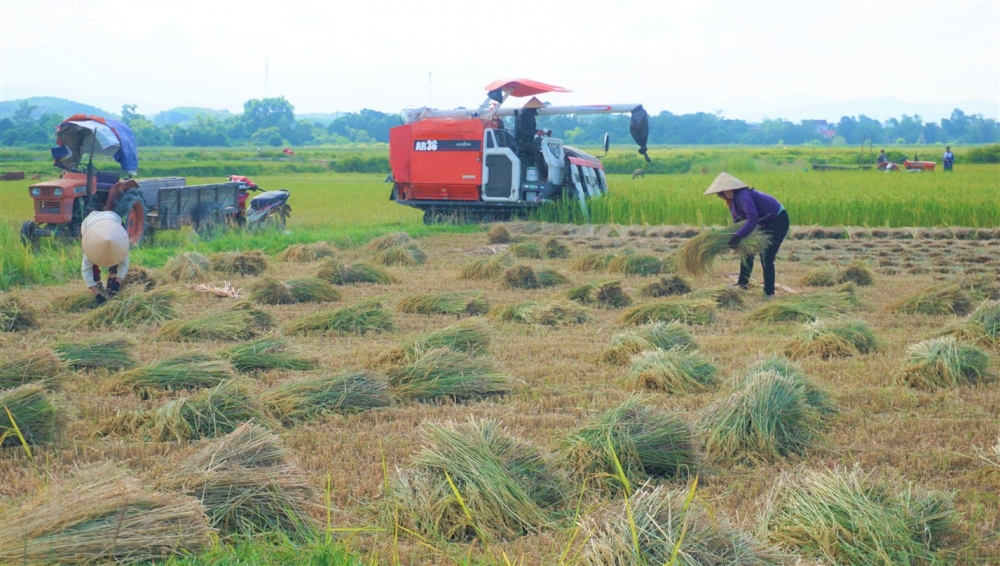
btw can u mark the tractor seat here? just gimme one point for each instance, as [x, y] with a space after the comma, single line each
[106, 179]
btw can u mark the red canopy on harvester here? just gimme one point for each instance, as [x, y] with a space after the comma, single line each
[524, 87]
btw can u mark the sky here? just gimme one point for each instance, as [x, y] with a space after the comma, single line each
[745, 60]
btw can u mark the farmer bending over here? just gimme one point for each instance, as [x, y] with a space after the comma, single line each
[759, 210]
[105, 244]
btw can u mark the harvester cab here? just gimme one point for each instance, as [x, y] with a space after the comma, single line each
[467, 165]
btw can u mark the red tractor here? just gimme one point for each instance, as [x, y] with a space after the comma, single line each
[466, 165]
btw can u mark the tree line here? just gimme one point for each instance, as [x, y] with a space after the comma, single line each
[270, 122]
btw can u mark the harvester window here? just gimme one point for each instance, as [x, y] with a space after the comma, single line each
[505, 139]
[489, 140]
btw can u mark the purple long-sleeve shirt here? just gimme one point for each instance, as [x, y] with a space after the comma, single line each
[755, 207]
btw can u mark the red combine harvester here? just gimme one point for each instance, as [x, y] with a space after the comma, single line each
[466, 165]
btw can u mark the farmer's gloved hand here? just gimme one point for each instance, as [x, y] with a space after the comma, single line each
[734, 242]
[114, 286]
[100, 300]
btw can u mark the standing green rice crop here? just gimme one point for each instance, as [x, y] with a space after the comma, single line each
[646, 442]
[475, 481]
[660, 525]
[444, 373]
[689, 311]
[833, 339]
[110, 352]
[27, 416]
[653, 336]
[943, 362]
[769, 416]
[606, 293]
[313, 397]
[695, 257]
[852, 517]
[675, 371]
[363, 318]
[456, 304]
[39, 366]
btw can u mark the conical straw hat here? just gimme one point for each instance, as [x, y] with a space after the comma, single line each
[104, 241]
[534, 103]
[725, 182]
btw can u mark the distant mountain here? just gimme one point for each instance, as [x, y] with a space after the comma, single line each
[800, 108]
[51, 105]
[184, 115]
[320, 117]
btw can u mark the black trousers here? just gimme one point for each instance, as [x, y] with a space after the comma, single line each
[777, 229]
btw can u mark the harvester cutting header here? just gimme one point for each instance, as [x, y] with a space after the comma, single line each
[466, 164]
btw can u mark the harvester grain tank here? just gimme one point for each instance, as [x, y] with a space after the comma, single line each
[465, 164]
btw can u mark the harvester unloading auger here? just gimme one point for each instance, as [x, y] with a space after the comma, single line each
[466, 165]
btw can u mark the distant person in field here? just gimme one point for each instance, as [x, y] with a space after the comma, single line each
[105, 244]
[949, 158]
[882, 158]
[761, 212]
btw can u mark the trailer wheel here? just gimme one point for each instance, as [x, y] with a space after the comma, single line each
[208, 219]
[131, 207]
[28, 237]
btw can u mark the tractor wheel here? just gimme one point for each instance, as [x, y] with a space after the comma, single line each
[28, 237]
[208, 220]
[132, 209]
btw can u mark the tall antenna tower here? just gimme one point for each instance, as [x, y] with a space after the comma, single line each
[267, 61]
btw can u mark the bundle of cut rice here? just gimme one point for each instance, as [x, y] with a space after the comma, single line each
[312, 290]
[248, 485]
[387, 241]
[645, 442]
[943, 362]
[187, 371]
[444, 373]
[141, 278]
[689, 311]
[659, 525]
[402, 255]
[253, 262]
[822, 276]
[554, 249]
[40, 366]
[635, 264]
[456, 304]
[665, 287]
[676, 370]
[229, 325]
[484, 268]
[313, 397]
[363, 318]
[695, 257]
[981, 327]
[15, 316]
[852, 517]
[77, 301]
[725, 296]
[807, 307]
[655, 336]
[856, 272]
[557, 312]
[525, 250]
[112, 352]
[592, 262]
[343, 274]
[270, 291]
[265, 354]
[102, 515]
[606, 293]
[499, 235]
[191, 267]
[306, 252]
[133, 308]
[951, 299]
[833, 338]
[470, 336]
[475, 481]
[27, 415]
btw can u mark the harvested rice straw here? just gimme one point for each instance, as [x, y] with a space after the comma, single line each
[833, 339]
[109, 352]
[605, 293]
[457, 304]
[312, 290]
[499, 235]
[15, 315]
[689, 311]
[592, 262]
[363, 318]
[265, 354]
[665, 287]
[342, 274]
[470, 336]
[188, 266]
[674, 371]
[695, 257]
[557, 312]
[270, 291]
[981, 327]
[188, 371]
[77, 301]
[806, 307]
[635, 264]
[253, 262]
[248, 485]
[32, 410]
[313, 397]
[658, 335]
[145, 279]
[227, 291]
[134, 308]
[822, 276]
[525, 250]
[554, 249]
[306, 252]
[943, 362]
[725, 297]
[856, 272]
[102, 515]
[387, 241]
[951, 299]
[485, 268]
[520, 277]
[39, 366]
[227, 326]
[445, 373]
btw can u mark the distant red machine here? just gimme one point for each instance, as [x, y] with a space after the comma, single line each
[907, 165]
[466, 165]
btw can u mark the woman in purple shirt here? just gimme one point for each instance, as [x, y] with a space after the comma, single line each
[761, 211]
